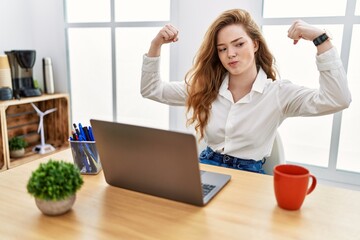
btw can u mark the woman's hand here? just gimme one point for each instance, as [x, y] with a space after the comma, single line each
[167, 34]
[302, 30]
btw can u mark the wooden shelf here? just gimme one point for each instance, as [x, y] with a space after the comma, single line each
[30, 156]
[19, 118]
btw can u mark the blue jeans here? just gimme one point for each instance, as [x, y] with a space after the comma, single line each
[208, 156]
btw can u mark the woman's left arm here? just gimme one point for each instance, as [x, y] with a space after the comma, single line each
[333, 94]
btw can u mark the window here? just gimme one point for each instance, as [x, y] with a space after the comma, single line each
[90, 72]
[349, 148]
[292, 9]
[328, 145]
[128, 65]
[106, 43]
[129, 11]
[82, 11]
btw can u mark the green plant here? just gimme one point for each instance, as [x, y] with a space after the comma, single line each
[17, 143]
[55, 180]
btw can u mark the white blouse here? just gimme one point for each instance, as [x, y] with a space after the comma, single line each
[246, 129]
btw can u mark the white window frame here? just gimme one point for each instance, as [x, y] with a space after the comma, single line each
[113, 25]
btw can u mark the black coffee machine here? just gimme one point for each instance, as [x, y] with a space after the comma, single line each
[21, 65]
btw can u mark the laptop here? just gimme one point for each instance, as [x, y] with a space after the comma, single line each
[153, 161]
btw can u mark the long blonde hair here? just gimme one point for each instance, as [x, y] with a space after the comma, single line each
[207, 73]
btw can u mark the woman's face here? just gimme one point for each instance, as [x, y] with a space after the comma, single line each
[236, 50]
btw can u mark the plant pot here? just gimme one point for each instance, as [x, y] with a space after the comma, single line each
[17, 153]
[54, 208]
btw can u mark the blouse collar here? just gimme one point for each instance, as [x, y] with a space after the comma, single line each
[258, 86]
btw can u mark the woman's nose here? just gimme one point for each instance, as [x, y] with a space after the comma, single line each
[231, 53]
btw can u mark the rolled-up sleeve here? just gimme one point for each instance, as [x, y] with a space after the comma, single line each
[152, 86]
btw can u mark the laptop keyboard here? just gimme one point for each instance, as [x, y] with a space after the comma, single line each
[207, 188]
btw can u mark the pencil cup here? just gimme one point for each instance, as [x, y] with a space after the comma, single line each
[86, 156]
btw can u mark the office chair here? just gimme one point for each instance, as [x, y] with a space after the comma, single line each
[200, 145]
[276, 157]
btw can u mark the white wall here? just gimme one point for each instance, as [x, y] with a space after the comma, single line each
[38, 25]
[15, 25]
[192, 18]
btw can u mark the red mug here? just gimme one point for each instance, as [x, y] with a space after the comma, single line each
[291, 185]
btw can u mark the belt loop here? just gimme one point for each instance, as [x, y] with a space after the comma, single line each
[235, 162]
[209, 153]
[226, 159]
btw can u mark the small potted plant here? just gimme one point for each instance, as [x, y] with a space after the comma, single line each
[54, 185]
[17, 147]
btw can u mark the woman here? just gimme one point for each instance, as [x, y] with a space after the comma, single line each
[231, 92]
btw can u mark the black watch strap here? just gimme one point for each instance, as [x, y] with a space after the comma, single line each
[320, 39]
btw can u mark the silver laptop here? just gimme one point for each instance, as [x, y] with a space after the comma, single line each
[153, 161]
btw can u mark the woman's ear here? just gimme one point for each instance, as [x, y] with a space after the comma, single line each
[256, 46]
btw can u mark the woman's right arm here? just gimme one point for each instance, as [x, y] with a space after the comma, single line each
[167, 34]
[152, 87]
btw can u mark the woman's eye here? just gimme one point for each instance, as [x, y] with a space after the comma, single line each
[239, 44]
[221, 49]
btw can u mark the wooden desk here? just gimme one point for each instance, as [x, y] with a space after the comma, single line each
[244, 209]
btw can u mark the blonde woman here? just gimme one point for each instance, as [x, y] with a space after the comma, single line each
[232, 94]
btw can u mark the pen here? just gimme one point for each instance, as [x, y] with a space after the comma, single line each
[82, 132]
[90, 158]
[85, 159]
[74, 136]
[86, 131]
[81, 157]
[91, 134]
[76, 130]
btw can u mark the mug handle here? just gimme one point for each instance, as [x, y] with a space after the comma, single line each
[313, 184]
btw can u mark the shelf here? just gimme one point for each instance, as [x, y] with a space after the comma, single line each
[19, 118]
[30, 156]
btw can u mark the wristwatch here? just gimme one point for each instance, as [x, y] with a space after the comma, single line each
[322, 38]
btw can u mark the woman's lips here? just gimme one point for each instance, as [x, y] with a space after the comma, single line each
[233, 63]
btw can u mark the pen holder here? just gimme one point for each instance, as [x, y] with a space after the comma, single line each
[86, 156]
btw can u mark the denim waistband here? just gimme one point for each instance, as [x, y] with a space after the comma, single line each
[209, 156]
